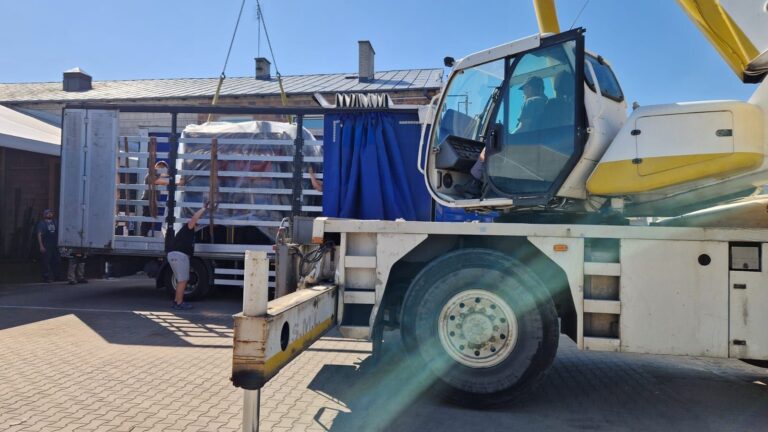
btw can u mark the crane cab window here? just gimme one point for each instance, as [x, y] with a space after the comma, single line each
[534, 132]
[609, 85]
[467, 101]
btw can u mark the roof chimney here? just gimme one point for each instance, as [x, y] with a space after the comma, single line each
[76, 80]
[365, 63]
[262, 69]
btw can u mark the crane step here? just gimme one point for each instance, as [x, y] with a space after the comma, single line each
[602, 344]
[352, 261]
[602, 306]
[602, 269]
[359, 296]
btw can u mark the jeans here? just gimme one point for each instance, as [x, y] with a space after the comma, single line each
[49, 261]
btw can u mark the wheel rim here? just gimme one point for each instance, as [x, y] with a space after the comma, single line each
[477, 328]
[191, 283]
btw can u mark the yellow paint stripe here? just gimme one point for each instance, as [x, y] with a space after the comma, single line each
[624, 177]
[273, 364]
[659, 165]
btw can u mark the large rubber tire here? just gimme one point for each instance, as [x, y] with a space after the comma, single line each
[757, 363]
[431, 312]
[198, 286]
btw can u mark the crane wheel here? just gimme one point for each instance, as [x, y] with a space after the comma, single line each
[758, 363]
[482, 324]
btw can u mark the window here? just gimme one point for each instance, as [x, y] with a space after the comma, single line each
[313, 122]
[468, 100]
[609, 86]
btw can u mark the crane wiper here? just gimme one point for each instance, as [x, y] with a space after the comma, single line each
[490, 106]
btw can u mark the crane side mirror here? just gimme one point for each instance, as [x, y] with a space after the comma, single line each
[449, 61]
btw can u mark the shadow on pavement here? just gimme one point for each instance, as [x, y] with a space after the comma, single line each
[587, 390]
[378, 392]
[126, 311]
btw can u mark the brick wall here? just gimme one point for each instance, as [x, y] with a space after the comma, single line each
[28, 185]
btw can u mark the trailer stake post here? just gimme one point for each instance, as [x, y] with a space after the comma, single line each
[298, 169]
[173, 155]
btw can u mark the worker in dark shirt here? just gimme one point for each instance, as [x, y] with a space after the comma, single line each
[47, 240]
[181, 251]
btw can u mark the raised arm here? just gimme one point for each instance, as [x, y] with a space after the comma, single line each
[316, 184]
[196, 217]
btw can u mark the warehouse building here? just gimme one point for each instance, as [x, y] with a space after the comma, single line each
[24, 196]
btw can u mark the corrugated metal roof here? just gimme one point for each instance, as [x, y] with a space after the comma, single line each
[22, 132]
[399, 80]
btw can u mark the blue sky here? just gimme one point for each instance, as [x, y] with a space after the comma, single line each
[657, 54]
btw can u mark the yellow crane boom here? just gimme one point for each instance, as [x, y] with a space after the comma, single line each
[736, 28]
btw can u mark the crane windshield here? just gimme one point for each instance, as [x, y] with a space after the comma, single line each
[466, 104]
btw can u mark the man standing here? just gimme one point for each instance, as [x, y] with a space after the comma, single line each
[179, 254]
[47, 239]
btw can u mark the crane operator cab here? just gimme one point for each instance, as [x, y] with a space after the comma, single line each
[511, 126]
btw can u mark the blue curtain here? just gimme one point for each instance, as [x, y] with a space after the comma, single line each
[369, 167]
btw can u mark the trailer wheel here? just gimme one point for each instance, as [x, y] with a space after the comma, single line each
[482, 323]
[198, 285]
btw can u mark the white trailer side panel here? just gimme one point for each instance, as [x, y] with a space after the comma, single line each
[88, 199]
[100, 160]
[72, 179]
[671, 302]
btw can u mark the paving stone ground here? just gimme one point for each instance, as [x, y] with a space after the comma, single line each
[112, 356]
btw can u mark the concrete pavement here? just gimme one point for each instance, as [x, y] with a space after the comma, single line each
[112, 356]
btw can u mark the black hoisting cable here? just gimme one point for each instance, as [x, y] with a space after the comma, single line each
[226, 60]
[283, 97]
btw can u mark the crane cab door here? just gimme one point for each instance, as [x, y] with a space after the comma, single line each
[536, 137]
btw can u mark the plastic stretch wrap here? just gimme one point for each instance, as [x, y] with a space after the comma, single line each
[264, 165]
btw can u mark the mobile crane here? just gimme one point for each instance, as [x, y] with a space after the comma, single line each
[481, 306]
